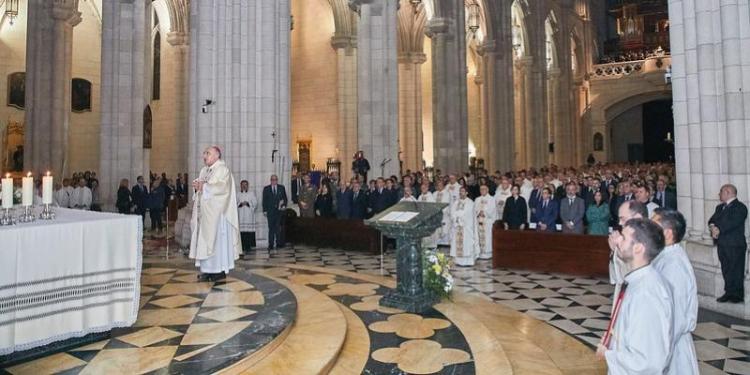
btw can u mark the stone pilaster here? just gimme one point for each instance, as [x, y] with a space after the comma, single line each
[377, 91]
[711, 113]
[180, 41]
[555, 112]
[126, 30]
[410, 109]
[49, 61]
[497, 107]
[346, 53]
[239, 60]
[449, 94]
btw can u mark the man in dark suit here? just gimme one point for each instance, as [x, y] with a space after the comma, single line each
[728, 231]
[572, 210]
[546, 212]
[296, 187]
[274, 202]
[380, 198]
[534, 198]
[359, 202]
[663, 197]
[140, 197]
[343, 201]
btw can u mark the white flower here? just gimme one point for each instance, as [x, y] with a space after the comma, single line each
[432, 259]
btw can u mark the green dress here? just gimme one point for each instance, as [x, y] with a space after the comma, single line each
[598, 219]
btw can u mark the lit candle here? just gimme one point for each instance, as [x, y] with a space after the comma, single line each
[7, 185]
[27, 190]
[669, 136]
[47, 189]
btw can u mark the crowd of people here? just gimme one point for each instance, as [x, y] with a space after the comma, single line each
[152, 198]
[634, 55]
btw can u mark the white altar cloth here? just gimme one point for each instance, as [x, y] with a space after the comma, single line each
[76, 275]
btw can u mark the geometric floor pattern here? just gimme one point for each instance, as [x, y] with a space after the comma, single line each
[578, 306]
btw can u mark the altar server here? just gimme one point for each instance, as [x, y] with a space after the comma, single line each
[61, 196]
[429, 242]
[463, 233]
[443, 196]
[215, 243]
[674, 265]
[639, 341]
[81, 196]
[485, 211]
[246, 205]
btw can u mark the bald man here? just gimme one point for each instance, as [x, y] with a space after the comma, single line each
[215, 243]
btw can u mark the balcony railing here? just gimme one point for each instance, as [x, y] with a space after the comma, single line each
[629, 68]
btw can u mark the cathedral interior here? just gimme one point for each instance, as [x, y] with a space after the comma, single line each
[127, 88]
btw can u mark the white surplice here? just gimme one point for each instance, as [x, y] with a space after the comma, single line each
[444, 236]
[247, 214]
[81, 198]
[61, 197]
[430, 242]
[674, 265]
[642, 336]
[485, 210]
[463, 233]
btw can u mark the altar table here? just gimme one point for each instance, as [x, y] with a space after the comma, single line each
[66, 278]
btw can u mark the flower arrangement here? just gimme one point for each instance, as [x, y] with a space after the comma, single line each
[436, 273]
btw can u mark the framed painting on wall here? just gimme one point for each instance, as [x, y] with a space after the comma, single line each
[17, 90]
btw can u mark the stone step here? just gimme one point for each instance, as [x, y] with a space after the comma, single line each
[310, 347]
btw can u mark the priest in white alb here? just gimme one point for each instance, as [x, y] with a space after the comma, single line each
[639, 340]
[463, 233]
[215, 242]
[246, 205]
[485, 210]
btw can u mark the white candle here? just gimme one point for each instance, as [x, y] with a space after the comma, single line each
[7, 185]
[47, 189]
[27, 190]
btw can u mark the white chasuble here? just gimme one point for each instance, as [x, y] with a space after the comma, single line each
[463, 233]
[215, 243]
[485, 210]
[444, 236]
[246, 205]
[642, 334]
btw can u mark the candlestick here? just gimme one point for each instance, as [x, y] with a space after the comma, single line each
[47, 189]
[7, 185]
[27, 190]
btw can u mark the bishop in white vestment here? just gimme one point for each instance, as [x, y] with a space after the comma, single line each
[641, 337]
[485, 210]
[215, 243]
[463, 232]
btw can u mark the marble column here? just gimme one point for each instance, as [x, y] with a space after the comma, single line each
[126, 31]
[410, 109]
[449, 90]
[711, 113]
[49, 62]
[180, 40]
[377, 91]
[346, 54]
[239, 61]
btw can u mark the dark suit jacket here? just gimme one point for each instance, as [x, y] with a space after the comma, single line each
[731, 223]
[380, 201]
[670, 200]
[534, 198]
[271, 201]
[548, 216]
[296, 185]
[140, 196]
[572, 212]
[515, 212]
[359, 205]
[343, 204]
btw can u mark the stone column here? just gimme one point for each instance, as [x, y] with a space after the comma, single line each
[126, 35]
[239, 61]
[711, 113]
[554, 121]
[449, 101]
[498, 108]
[180, 40]
[49, 61]
[410, 109]
[377, 91]
[346, 53]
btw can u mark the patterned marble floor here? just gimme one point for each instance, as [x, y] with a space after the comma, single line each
[577, 306]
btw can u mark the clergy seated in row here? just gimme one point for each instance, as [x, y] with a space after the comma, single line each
[215, 242]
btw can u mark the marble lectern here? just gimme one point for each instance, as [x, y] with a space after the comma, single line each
[408, 223]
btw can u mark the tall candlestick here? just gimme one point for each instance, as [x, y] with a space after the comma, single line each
[7, 185]
[27, 190]
[47, 189]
